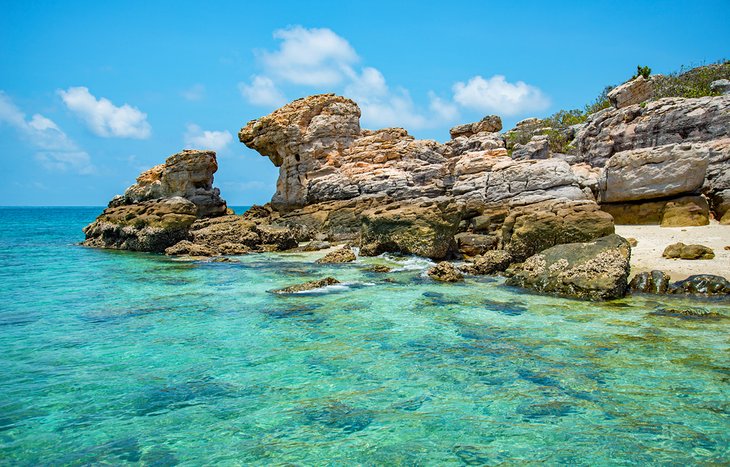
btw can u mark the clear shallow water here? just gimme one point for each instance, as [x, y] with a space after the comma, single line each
[117, 357]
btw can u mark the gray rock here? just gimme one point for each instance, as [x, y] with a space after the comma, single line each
[634, 91]
[657, 172]
[489, 124]
[596, 270]
[537, 148]
[720, 85]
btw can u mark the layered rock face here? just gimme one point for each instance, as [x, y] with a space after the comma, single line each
[158, 210]
[391, 191]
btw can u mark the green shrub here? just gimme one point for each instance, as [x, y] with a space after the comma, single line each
[691, 82]
[644, 71]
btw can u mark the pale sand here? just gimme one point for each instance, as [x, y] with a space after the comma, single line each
[652, 240]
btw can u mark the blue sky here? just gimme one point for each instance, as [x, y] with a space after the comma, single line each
[92, 93]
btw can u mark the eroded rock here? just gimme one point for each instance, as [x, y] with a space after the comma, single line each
[445, 272]
[307, 286]
[682, 251]
[342, 255]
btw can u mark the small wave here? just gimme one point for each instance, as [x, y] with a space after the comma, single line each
[408, 263]
[341, 287]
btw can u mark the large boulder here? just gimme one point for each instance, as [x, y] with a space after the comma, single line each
[537, 148]
[445, 272]
[682, 251]
[530, 229]
[702, 284]
[657, 172]
[684, 211]
[489, 124]
[634, 91]
[596, 270]
[423, 229]
[236, 235]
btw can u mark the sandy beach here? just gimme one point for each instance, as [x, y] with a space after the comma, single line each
[652, 239]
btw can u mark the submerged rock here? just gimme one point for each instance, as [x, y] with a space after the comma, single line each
[381, 268]
[445, 272]
[682, 251]
[343, 255]
[316, 284]
[688, 313]
[596, 270]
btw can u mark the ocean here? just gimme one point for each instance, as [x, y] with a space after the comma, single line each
[112, 357]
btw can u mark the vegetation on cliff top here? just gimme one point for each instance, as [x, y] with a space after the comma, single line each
[686, 82]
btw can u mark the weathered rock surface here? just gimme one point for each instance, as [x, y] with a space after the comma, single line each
[654, 282]
[490, 262]
[425, 229]
[489, 124]
[188, 248]
[720, 85]
[157, 211]
[657, 172]
[537, 148]
[702, 284]
[342, 255]
[689, 313]
[235, 235]
[634, 91]
[596, 270]
[306, 286]
[661, 122]
[445, 272]
[530, 229]
[685, 211]
[682, 251]
[471, 244]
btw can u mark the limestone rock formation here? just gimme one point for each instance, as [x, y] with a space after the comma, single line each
[658, 123]
[596, 270]
[423, 229]
[634, 91]
[537, 148]
[445, 272]
[157, 211]
[188, 248]
[489, 124]
[657, 172]
[677, 212]
[530, 229]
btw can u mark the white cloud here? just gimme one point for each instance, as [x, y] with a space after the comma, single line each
[262, 91]
[198, 138]
[313, 57]
[498, 95]
[382, 107]
[56, 151]
[195, 92]
[104, 118]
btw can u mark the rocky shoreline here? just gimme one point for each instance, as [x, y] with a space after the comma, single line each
[544, 218]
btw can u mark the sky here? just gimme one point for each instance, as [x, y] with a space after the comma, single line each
[92, 93]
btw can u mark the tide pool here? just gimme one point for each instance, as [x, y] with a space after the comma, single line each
[115, 357]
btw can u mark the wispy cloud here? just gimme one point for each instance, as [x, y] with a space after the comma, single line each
[262, 91]
[56, 151]
[195, 92]
[104, 118]
[198, 138]
[496, 94]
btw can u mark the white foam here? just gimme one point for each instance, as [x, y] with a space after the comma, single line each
[408, 263]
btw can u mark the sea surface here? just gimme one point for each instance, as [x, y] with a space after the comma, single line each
[120, 358]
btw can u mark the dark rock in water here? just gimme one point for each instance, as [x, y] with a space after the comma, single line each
[189, 248]
[223, 259]
[680, 250]
[162, 399]
[702, 284]
[307, 286]
[490, 262]
[343, 255]
[297, 310]
[548, 409]
[506, 308]
[595, 270]
[688, 313]
[412, 404]
[341, 416]
[472, 455]
[445, 272]
[437, 299]
[378, 268]
[654, 282]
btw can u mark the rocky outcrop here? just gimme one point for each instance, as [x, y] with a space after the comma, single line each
[657, 172]
[423, 229]
[490, 262]
[157, 211]
[445, 272]
[342, 255]
[634, 91]
[489, 124]
[702, 284]
[537, 148]
[473, 244]
[596, 270]
[658, 123]
[234, 235]
[188, 248]
[682, 251]
[530, 229]
[677, 212]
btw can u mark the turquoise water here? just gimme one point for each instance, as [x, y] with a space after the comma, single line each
[127, 358]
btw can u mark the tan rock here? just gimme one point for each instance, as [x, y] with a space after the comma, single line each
[634, 91]
[445, 272]
[342, 255]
